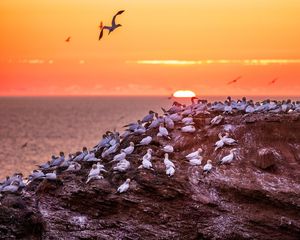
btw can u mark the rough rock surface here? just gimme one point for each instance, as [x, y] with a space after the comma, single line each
[257, 196]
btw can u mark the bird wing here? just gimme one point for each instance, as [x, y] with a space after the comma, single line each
[113, 22]
[101, 33]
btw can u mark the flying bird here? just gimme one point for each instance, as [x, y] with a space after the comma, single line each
[101, 25]
[234, 80]
[113, 25]
[273, 81]
[68, 39]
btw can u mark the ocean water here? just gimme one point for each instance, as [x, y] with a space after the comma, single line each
[34, 128]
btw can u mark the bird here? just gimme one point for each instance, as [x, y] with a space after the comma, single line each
[122, 166]
[101, 25]
[68, 39]
[162, 131]
[168, 162]
[228, 158]
[124, 187]
[227, 140]
[273, 81]
[36, 174]
[129, 149]
[216, 120]
[95, 173]
[12, 188]
[207, 167]
[195, 154]
[170, 170]
[119, 157]
[145, 141]
[188, 120]
[148, 155]
[234, 80]
[195, 161]
[188, 129]
[51, 176]
[146, 163]
[168, 149]
[74, 166]
[113, 25]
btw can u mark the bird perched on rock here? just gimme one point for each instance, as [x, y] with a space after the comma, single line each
[207, 167]
[122, 166]
[188, 129]
[195, 154]
[124, 187]
[216, 120]
[12, 188]
[195, 161]
[168, 162]
[74, 166]
[170, 171]
[95, 173]
[145, 141]
[168, 149]
[113, 25]
[81, 156]
[162, 131]
[51, 176]
[129, 149]
[148, 155]
[119, 157]
[228, 158]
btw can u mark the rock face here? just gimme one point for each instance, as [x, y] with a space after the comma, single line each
[257, 196]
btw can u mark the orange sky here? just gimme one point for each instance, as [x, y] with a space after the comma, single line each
[212, 41]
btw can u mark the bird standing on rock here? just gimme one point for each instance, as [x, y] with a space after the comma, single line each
[207, 167]
[124, 187]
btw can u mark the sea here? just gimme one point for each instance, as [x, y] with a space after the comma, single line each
[32, 129]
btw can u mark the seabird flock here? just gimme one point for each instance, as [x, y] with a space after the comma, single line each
[110, 155]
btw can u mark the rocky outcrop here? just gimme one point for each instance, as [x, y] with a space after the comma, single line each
[257, 196]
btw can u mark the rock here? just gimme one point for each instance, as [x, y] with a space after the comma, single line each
[237, 201]
[267, 157]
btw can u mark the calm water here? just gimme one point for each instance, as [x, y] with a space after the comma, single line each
[50, 125]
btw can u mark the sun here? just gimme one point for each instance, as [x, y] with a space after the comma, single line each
[184, 93]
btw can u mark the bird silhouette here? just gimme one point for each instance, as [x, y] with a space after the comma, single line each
[273, 81]
[68, 39]
[101, 25]
[234, 80]
[113, 25]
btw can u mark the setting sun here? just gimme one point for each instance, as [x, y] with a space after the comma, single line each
[184, 93]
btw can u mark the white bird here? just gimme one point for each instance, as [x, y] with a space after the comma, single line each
[208, 166]
[175, 117]
[124, 187]
[169, 122]
[111, 149]
[227, 140]
[196, 161]
[81, 155]
[129, 149]
[195, 154]
[162, 131]
[188, 120]
[146, 140]
[168, 149]
[74, 166]
[219, 144]
[119, 156]
[51, 176]
[113, 25]
[228, 158]
[122, 166]
[216, 120]
[170, 171]
[36, 174]
[148, 155]
[94, 173]
[168, 162]
[13, 187]
[146, 164]
[188, 129]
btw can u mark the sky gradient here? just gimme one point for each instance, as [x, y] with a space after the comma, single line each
[161, 47]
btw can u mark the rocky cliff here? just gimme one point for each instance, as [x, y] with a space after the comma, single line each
[257, 196]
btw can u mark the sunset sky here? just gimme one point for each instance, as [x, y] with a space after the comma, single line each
[162, 46]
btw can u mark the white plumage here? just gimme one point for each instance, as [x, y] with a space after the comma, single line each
[124, 187]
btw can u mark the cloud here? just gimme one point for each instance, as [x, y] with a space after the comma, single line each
[217, 61]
